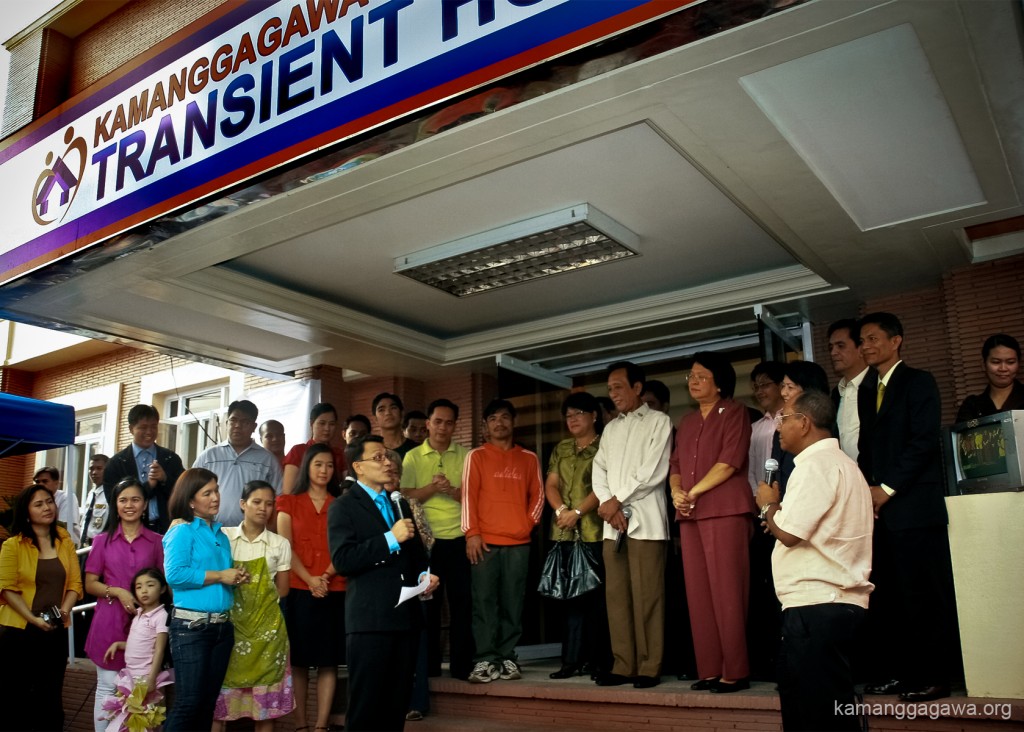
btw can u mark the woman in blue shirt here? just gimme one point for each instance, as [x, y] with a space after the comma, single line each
[197, 563]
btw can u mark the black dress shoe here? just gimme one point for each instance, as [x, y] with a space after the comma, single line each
[613, 680]
[704, 684]
[723, 688]
[646, 682]
[565, 672]
[892, 686]
[926, 693]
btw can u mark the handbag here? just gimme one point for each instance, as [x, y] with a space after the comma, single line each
[570, 570]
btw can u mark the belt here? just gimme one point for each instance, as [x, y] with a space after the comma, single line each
[199, 618]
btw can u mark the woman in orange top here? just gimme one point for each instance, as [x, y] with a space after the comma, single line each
[39, 583]
[314, 609]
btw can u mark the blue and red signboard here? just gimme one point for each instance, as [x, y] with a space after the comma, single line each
[256, 84]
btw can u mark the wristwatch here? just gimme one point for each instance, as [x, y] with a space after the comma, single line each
[578, 512]
[764, 510]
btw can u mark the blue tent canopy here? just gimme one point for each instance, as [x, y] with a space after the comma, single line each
[29, 425]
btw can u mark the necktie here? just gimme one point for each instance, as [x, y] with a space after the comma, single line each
[145, 459]
[88, 520]
[385, 510]
[881, 394]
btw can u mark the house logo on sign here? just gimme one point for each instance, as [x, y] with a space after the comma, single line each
[58, 183]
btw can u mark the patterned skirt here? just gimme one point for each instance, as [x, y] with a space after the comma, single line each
[258, 702]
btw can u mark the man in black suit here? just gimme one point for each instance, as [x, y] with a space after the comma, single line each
[899, 453]
[379, 553]
[157, 468]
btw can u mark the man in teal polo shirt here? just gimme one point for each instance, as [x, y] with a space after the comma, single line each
[432, 474]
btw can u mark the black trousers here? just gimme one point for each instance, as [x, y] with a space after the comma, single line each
[815, 677]
[586, 638]
[765, 614]
[913, 607]
[32, 665]
[380, 667]
[449, 562]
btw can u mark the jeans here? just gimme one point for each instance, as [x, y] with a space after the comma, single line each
[201, 657]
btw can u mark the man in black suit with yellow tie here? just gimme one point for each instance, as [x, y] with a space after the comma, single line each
[900, 455]
[379, 553]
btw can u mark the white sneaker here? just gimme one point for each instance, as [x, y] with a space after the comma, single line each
[510, 670]
[483, 673]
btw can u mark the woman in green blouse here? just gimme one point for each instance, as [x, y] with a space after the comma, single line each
[585, 644]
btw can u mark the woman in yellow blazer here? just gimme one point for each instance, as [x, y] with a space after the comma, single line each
[39, 583]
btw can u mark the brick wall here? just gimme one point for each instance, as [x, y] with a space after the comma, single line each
[21, 84]
[470, 392]
[981, 300]
[135, 29]
[926, 341]
[126, 366]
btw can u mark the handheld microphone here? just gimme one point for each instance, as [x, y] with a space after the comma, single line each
[396, 498]
[771, 470]
[627, 512]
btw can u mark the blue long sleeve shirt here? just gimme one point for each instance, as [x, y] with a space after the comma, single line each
[190, 551]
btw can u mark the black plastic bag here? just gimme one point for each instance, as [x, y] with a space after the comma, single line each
[570, 570]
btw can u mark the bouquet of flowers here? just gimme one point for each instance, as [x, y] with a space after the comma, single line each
[135, 707]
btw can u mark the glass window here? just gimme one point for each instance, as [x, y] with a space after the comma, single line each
[194, 421]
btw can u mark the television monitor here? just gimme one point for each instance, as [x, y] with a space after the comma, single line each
[985, 455]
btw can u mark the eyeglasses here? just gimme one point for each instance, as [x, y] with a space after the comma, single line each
[380, 457]
[699, 378]
[569, 414]
[759, 385]
[783, 417]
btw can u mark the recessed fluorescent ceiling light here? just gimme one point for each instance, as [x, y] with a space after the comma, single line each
[562, 241]
[868, 117]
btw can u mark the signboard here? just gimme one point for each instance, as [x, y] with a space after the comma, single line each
[253, 85]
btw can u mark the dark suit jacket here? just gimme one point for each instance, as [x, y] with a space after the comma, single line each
[900, 446]
[123, 465]
[374, 576]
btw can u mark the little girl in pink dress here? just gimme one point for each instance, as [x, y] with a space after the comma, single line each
[137, 702]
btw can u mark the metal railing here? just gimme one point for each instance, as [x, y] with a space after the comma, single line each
[82, 609]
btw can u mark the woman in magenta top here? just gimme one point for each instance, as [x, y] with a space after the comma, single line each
[708, 477]
[124, 548]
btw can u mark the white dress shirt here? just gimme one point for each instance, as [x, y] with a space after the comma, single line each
[97, 502]
[847, 417]
[632, 465]
[828, 506]
[761, 434]
[67, 511]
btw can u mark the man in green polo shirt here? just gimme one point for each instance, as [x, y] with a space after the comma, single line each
[432, 474]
